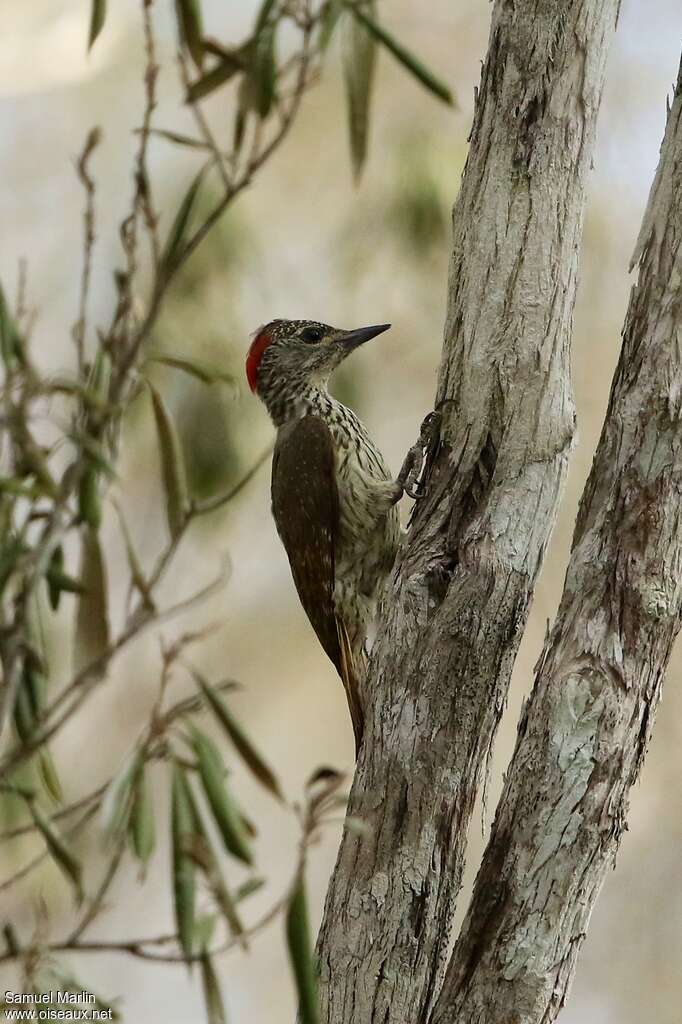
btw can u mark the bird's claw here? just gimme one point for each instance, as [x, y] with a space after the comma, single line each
[416, 492]
[413, 472]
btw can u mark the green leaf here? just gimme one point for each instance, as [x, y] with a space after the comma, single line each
[204, 372]
[172, 466]
[58, 849]
[253, 760]
[182, 834]
[10, 339]
[98, 13]
[225, 813]
[56, 565]
[263, 16]
[136, 571]
[301, 953]
[96, 452]
[329, 17]
[203, 854]
[92, 617]
[10, 937]
[101, 374]
[115, 808]
[227, 68]
[89, 500]
[23, 714]
[190, 28]
[215, 1010]
[263, 70]
[240, 118]
[11, 551]
[59, 581]
[173, 247]
[359, 55]
[248, 888]
[48, 773]
[228, 906]
[403, 55]
[177, 139]
[204, 928]
[142, 825]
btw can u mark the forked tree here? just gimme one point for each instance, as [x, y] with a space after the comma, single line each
[456, 605]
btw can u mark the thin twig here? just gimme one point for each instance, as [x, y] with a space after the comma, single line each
[92, 141]
[84, 681]
[37, 860]
[200, 508]
[203, 126]
[65, 812]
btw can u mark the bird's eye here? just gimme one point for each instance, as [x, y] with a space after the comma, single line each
[311, 334]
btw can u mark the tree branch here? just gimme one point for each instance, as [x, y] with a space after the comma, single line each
[459, 596]
[584, 733]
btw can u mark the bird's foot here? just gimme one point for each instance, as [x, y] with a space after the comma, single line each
[412, 476]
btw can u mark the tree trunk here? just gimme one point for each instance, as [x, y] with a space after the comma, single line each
[584, 732]
[459, 598]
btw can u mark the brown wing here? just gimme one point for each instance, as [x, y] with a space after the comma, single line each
[305, 504]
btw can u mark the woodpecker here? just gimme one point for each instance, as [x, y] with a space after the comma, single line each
[333, 497]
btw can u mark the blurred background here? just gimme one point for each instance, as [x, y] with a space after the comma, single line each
[304, 242]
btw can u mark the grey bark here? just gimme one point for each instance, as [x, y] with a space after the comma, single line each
[458, 600]
[584, 732]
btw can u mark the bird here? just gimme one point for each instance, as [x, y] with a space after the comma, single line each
[334, 500]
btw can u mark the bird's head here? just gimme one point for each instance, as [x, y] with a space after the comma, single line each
[286, 356]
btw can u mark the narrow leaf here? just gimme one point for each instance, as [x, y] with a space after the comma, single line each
[98, 13]
[263, 70]
[92, 618]
[404, 56]
[97, 454]
[215, 1010]
[10, 340]
[263, 15]
[48, 773]
[176, 235]
[56, 565]
[358, 64]
[225, 813]
[177, 139]
[184, 886]
[142, 826]
[24, 716]
[301, 953]
[228, 906]
[10, 937]
[117, 800]
[248, 888]
[11, 550]
[190, 28]
[213, 79]
[329, 17]
[136, 571]
[58, 849]
[204, 927]
[101, 374]
[202, 853]
[253, 760]
[204, 372]
[58, 582]
[89, 500]
[172, 466]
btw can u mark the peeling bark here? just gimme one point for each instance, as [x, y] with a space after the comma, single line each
[458, 601]
[584, 731]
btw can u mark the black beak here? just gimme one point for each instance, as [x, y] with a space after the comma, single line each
[352, 339]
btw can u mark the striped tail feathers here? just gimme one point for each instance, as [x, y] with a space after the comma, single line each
[352, 669]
